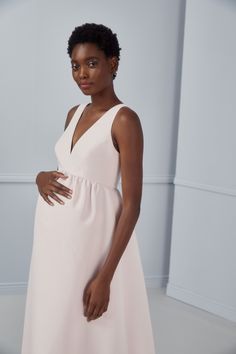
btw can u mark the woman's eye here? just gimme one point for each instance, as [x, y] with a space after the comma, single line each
[92, 64]
[74, 67]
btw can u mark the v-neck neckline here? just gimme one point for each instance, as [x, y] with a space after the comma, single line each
[71, 149]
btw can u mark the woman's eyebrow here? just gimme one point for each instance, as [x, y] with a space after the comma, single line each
[87, 58]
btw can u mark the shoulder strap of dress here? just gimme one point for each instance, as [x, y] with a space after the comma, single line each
[114, 111]
[77, 115]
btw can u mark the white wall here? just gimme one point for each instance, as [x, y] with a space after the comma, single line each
[37, 91]
[203, 266]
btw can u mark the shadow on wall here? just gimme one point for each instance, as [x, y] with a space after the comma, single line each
[232, 5]
[233, 351]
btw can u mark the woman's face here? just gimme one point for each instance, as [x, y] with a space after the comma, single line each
[92, 68]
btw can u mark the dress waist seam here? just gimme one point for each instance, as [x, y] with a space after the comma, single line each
[112, 188]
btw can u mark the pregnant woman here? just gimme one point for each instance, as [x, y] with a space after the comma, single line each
[86, 290]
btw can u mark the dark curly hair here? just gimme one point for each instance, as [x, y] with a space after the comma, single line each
[99, 34]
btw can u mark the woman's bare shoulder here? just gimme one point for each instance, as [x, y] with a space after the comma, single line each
[126, 119]
[70, 114]
[127, 130]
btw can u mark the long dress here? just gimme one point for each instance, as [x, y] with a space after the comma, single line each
[70, 244]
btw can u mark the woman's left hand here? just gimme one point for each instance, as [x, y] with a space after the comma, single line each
[96, 298]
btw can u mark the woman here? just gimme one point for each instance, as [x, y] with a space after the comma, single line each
[86, 291]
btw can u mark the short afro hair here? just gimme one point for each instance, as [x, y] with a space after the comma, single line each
[99, 34]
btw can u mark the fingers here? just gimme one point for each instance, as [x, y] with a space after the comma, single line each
[57, 174]
[60, 188]
[89, 307]
[90, 311]
[55, 197]
[93, 312]
[54, 187]
[45, 197]
[94, 304]
[97, 313]
[86, 298]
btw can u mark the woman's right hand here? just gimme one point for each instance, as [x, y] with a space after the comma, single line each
[48, 186]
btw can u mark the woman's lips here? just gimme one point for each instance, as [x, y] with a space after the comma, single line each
[85, 86]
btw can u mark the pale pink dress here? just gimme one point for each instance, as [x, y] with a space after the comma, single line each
[71, 242]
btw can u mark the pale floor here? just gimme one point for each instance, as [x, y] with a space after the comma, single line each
[178, 328]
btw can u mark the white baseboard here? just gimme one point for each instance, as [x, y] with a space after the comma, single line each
[202, 302]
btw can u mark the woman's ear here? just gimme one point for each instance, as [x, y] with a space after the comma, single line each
[114, 64]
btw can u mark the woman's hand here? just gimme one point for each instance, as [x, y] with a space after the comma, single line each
[96, 298]
[48, 186]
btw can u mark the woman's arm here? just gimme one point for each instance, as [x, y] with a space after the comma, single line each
[129, 137]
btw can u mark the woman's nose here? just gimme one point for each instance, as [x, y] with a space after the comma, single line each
[82, 72]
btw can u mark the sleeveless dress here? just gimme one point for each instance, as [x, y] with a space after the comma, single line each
[71, 242]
